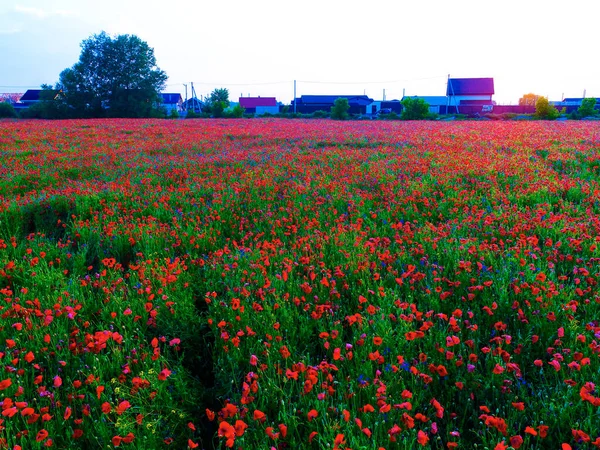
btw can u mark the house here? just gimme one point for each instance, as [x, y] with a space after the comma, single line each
[308, 104]
[437, 103]
[31, 96]
[259, 105]
[10, 97]
[172, 102]
[193, 104]
[470, 91]
[572, 104]
[388, 106]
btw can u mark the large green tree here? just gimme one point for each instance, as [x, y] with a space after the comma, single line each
[217, 102]
[114, 77]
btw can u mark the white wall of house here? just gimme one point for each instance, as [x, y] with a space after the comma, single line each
[456, 99]
[374, 107]
[172, 106]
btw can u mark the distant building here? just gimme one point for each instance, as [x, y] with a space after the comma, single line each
[437, 104]
[193, 104]
[387, 106]
[259, 105]
[470, 91]
[172, 102]
[32, 96]
[10, 97]
[308, 104]
[572, 104]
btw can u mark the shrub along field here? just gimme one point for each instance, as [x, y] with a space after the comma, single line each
[298, 284]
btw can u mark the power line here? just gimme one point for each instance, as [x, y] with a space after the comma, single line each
[371, 82]
[235, 84]
[20, 87]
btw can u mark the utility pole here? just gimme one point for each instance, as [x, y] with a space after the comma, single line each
[294, 96]
[384, 94]
[185, 85]
[194, 99]
[448, 95]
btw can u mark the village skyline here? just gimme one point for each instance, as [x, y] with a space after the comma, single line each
[336, 48]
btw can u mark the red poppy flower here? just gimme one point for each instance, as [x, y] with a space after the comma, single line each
[41, 435]
[259, 415]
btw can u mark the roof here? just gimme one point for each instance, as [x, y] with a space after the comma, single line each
[10, 97]
[330, 99]
[31, 95]
[253, 102]
[573, 99]
[470, 86]
[171, 98]
[432, 100]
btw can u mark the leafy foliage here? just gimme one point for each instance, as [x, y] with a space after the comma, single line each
[544, 110]
[7, 110]
[340, 108]
[414, 109]
[219, 95]
[238, 111]
[529, 99]
[587, 107]
[114, 77]
[217, 102]
[49, 107]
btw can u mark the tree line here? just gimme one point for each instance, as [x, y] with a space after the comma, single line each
[114, 77]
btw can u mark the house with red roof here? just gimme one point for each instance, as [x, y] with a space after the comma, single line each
[259, 105]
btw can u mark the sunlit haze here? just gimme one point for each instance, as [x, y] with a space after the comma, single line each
[330, 47]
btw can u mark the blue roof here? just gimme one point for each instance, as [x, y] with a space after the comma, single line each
[470, 86]
[330, 99]
[31, 95]
[574, 99]
[171, 98]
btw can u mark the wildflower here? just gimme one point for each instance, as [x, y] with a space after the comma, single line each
[422, 438]
[259, 416]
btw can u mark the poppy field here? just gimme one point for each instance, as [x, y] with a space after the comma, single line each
[297, 284]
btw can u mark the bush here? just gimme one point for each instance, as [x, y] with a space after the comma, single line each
[414, 109]
[544, 110]
[7, 110]
[238, 111]
[587, 107]
[323, 114]
[339, 110]
[174, 114]
[217, 109]
[390, 116]
[193, 115]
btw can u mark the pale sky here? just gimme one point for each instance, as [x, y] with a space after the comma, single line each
[331, 47]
